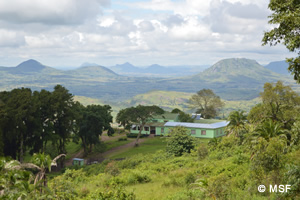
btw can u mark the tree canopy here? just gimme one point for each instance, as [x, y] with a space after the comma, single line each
[286, 15]
[138, 115]
[94, 120]
[206, 102]
[279, 102]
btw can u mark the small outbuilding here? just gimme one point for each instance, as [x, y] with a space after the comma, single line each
[78, 161]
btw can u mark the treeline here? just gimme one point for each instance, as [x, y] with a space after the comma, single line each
[32, 120]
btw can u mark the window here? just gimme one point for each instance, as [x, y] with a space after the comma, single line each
[217, 131]
[221, 131]
[146, 128]
[133, 127]
[139, 128]
[193, 132]
[162, 130]
[203, 132]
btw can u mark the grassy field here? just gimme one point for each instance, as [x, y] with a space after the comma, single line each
[168, 100]
[151, 145]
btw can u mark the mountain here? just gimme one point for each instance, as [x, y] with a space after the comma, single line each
[93, 71]
[30, 66]
[280, 67]
[236, 77]
[126, 68]
[158, 69]
[231, 79]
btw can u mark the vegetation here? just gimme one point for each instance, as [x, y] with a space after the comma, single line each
[207, 103]
[138, 116]
[179, 141]
[31, 121]
[261, 150]
[93, 121]
[286, 16]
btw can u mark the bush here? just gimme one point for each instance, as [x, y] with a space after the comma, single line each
[123, 138]
[179, 141]
[137, 177]
[116, 193]
[112, 169]
[202, 151]
[133, 135]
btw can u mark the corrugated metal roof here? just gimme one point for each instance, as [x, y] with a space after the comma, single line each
[198, 125]
[79, 159]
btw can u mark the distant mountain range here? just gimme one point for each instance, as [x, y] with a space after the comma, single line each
[156, 70]
[280, 67]
[232, 79]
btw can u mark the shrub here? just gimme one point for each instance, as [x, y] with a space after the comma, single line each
[112, 169]
[202, 151]
[179, 141]
[116, 193]
[123, 138]
[137, 176]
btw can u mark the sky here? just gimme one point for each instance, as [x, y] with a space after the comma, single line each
[142, 32]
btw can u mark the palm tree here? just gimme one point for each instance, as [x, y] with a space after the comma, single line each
[237, 121]
[40, 161]
[269, 129]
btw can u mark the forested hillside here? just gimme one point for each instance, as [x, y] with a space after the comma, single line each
[231, 79]
[261, 148]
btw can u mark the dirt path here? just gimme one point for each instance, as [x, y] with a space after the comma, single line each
[101, 156]
[115, 149]
[104, 138]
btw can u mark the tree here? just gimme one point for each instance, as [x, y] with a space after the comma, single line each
[176, 110]
[286, 15]
[63, 118]
[138, 115]
[94, 120]
[279, 103]
[183, 117]
[179, 141]
[17, 121]
[206, 102]
[269, 129]
[237, 121]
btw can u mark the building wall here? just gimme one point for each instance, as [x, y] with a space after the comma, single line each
[137, 131]
[209, 133]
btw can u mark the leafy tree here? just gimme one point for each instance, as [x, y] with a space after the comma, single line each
[63, 119]
[279, 103]
[44, 114]
[286, 15]
[295, 134]
[269, 129]
[176, 110]
[183, 117]
[269, 156]
[237, 121]
[206, 102]
[17, 121]
[179, 141]
[138, 115]
[95, 119]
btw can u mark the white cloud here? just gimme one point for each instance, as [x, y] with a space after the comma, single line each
[140, 31]
[50, 12]
[11, 39]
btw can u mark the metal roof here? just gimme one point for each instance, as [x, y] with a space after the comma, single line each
[198, 125]
[79, 159]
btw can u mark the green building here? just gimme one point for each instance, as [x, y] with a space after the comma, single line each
[202, 128]
[155, 124]
[78, 161]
